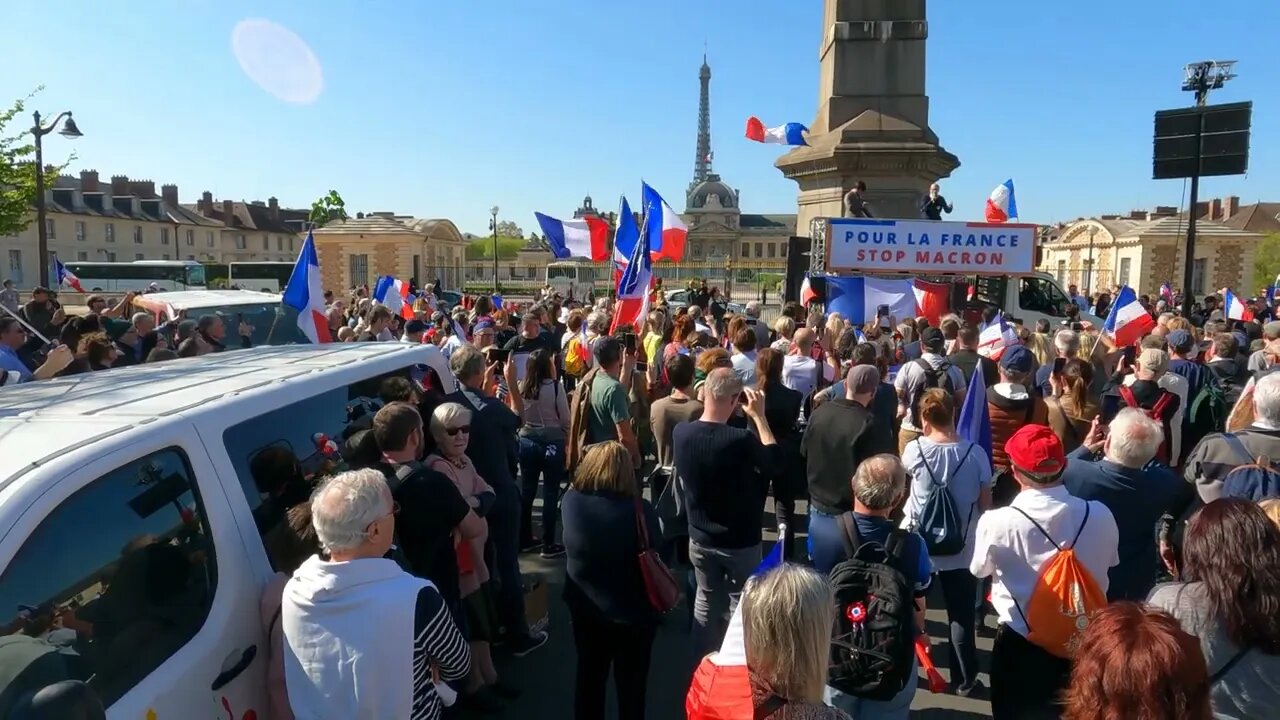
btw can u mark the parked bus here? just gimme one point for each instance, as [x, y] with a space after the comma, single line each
[260, 276]
[139, 275]
[577, 278]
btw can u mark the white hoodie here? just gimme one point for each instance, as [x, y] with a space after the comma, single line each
[349, 639]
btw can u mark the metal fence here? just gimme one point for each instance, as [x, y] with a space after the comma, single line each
[742, 281]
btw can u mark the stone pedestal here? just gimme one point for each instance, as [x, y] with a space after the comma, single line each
[873, 114]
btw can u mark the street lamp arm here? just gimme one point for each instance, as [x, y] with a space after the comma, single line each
[45, 130]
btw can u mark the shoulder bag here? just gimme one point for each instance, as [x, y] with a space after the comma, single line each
[659, 584]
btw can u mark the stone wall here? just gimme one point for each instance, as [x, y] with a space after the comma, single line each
[1228, 269]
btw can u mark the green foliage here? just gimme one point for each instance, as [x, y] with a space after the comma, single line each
[482, 249]
[506, 228]
[1266, 260]
[18, 169]
[327, 209]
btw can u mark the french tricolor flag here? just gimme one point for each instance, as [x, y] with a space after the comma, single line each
[789, 134]
[996, 336]
[721, 687]
[807, 295]
[588, 237]
[633, 287]
[394, 294]
[667, 232]
[1002, 205]
[1233, 307]
[305, 293]
[1128, 321]
[65, 277]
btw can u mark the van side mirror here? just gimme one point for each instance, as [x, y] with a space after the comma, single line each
[66, 700]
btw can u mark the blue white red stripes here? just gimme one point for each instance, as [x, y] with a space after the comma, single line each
[1128, 322]
[305, 293]
[996, 336]
[1002, 205]
[789, 134]
[65, 277]
[394, 294]
[1233, 307]
[667, 232]
[587, 237]
[633, 286]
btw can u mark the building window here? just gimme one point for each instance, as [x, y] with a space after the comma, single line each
[110, 232]
[759, 250]
[51, 228]
[141, 524]
[191, 237]
[191, 257]
[111, 257]
[1199, 270]
[164, 236]
[1087, 278]
[782, 249]
[80, 230]
[208, 239]
[139, 256]
[137, 234]
[266, 242]
[290, 243]
[1062, 272]
[15, 261]
[359, 270]
[82, 256]
[164, 256]
[1124, 272]
[746, 250]
[772, 249]
[280, 243]
[241, 242]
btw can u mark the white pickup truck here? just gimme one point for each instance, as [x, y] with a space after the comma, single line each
[131, 558]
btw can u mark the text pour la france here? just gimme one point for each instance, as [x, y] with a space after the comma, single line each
[942, 248]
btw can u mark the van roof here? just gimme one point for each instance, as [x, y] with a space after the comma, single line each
[43, 420]
[187, 299]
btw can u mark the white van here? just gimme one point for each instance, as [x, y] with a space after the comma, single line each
[273, 322]
[129, 552]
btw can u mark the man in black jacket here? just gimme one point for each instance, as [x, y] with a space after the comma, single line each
[934, 205]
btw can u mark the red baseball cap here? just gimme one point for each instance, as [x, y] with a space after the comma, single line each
[1035, 448]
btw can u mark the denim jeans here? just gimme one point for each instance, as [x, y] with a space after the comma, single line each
[720, 575]
[826, 541]
[546, 460]
[899, 708]
[504, 538]
[958, 589]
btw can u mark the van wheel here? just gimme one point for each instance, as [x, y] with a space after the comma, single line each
[97, 289]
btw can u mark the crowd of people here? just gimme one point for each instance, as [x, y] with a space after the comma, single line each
[1120, 525]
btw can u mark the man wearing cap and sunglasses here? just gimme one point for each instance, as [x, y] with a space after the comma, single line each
[1013, 545]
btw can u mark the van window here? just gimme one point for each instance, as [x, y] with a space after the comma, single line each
[1039, 295]
[112, 582]
[277, 458]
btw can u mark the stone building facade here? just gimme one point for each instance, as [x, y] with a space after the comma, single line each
[357, 251]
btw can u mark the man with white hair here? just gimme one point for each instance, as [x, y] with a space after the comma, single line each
[1136, 494]
[360, 634]
[1220, 453]
[1067, 345]
[699, 322]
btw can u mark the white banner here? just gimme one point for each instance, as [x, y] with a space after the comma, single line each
[930, 247]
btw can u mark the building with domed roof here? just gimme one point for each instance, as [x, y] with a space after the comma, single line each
[719, 231]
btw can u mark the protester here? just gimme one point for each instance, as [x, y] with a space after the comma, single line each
[743, 357]
[13, 336]
[1012, 405]
[1227, 597]
[1013, 545]
[352, 620]
[543, 433]
[1220, 453]
[290, 547]
[1135, 491]
[665, 414]
[613, 623]
[601, 410]
[786, 624]
[1151, 388]
[800, 372]
[1066, 345]
[1137, 664]
[782, 411]
[939, 461]
[1071, 403]
[530, 340]
[724, 470]
[931, 370]
[966, 357]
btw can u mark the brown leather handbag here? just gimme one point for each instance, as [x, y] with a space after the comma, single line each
[659, 584]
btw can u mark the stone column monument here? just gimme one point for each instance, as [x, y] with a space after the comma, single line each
[873, 114]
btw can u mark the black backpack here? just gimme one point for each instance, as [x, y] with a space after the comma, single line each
[939, 519]
[939, 377]
[873, 651]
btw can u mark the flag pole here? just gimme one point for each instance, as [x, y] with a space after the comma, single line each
[26, 325]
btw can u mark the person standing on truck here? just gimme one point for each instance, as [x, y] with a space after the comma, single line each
[934, 205]
[855, 206]
[930, 371]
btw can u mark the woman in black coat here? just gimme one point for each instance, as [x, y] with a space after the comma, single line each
[782, 411]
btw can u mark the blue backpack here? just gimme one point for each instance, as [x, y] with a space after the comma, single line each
[1254, 479]
[939, 519]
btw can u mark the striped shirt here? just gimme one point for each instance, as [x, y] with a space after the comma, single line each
[436, 642]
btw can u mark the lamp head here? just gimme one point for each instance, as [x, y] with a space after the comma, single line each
[69, 129]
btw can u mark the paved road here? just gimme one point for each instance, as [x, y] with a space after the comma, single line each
[547, 675]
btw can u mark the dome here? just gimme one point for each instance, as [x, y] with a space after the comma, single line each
[728, 197]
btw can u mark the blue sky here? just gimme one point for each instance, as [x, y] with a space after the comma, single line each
[442, 109]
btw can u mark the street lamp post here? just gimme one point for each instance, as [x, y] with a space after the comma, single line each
[493, 225]
[38, 131]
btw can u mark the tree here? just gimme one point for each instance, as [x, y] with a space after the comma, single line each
[1266, 260]
[506, 228]
[326, 209]
[18, 169]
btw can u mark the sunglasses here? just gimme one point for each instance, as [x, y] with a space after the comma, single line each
[461, 429]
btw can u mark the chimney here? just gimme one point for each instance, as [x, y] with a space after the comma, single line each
[1230, 206]
[119, 185]
[1215, 209]
[274, 205]
[170, 195]
[144, 189]
[89, 181]
[1137, 214]
[1202, 210]
[206, 204]
[228, 213]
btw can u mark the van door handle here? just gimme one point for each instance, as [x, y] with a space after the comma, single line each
[231, 673]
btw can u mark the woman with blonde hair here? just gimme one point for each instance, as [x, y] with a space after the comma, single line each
[1072, 404]
[785, 329]
[1271, 506]
[1039, 345]
[613, 623]
[787, 615]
